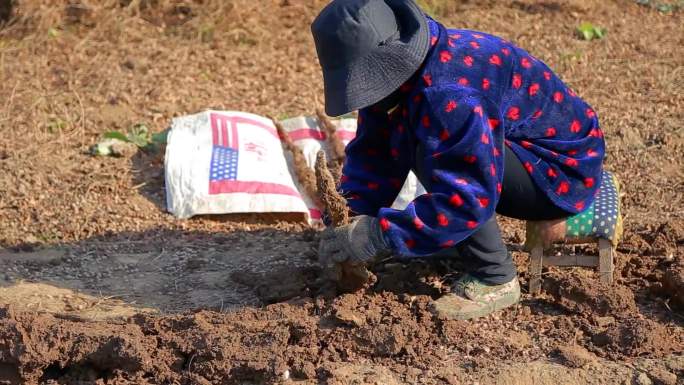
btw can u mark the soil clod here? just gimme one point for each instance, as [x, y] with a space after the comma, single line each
[590, 296]
[575, 356]
[635, 337]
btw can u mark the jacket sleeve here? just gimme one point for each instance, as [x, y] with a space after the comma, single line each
[462, 163]
[376, 165]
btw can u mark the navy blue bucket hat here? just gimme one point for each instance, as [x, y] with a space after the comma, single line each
[367, 49]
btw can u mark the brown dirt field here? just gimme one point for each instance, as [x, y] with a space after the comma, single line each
[99, 285]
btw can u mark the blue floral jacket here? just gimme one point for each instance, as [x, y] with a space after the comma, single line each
[475, 96]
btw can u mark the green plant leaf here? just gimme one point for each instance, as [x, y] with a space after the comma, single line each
[139, 129]
[586, 30]
[589, 31]
[138, 140]
[599, 32]
[116, 135]
[139, 135]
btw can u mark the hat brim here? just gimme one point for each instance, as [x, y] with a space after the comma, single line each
[376, 75]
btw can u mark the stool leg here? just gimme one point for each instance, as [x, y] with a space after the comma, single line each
[535, 269]
[606, 260]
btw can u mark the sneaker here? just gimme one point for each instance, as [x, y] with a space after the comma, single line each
[472, 298]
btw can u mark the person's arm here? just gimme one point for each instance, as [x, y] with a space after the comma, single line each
[376, 164]
[463, 161]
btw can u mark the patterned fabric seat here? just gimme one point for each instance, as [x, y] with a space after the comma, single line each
[600, 223]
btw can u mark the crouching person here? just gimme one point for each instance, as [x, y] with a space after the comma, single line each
[485, 126]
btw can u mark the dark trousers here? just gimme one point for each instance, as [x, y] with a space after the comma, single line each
[484, 252]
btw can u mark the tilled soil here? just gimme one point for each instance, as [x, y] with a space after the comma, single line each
[387, 330]
[307, 340]
[385, 334]
[100, 285]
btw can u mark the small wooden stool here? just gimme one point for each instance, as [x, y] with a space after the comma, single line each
[600, 223]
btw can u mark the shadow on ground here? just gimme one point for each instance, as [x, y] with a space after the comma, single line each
[162, 270]
[172, 271]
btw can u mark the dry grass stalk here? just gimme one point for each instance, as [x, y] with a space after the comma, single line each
[305, 176]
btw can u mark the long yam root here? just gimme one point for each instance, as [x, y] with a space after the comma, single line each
[335, 204]
[305, 176]
[336, 173]
[336, 145]
[350, 277]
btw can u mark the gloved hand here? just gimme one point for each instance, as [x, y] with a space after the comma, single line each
[357, 243]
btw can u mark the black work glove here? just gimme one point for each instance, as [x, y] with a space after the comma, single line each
[358, 243]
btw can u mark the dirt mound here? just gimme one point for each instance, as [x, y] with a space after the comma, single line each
[42, 347]
[664, 238]
[636, 337]
[575, 356]
[388, 326]
[182, 349]
[610, 317]
[262, 346]
[590, 296]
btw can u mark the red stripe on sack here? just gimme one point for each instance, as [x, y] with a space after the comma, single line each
[214, 130]
[239, 119]
[236, 186]
[346, 135]
[306, 133]
[221, 121]
[315, 214]
[310, 133]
